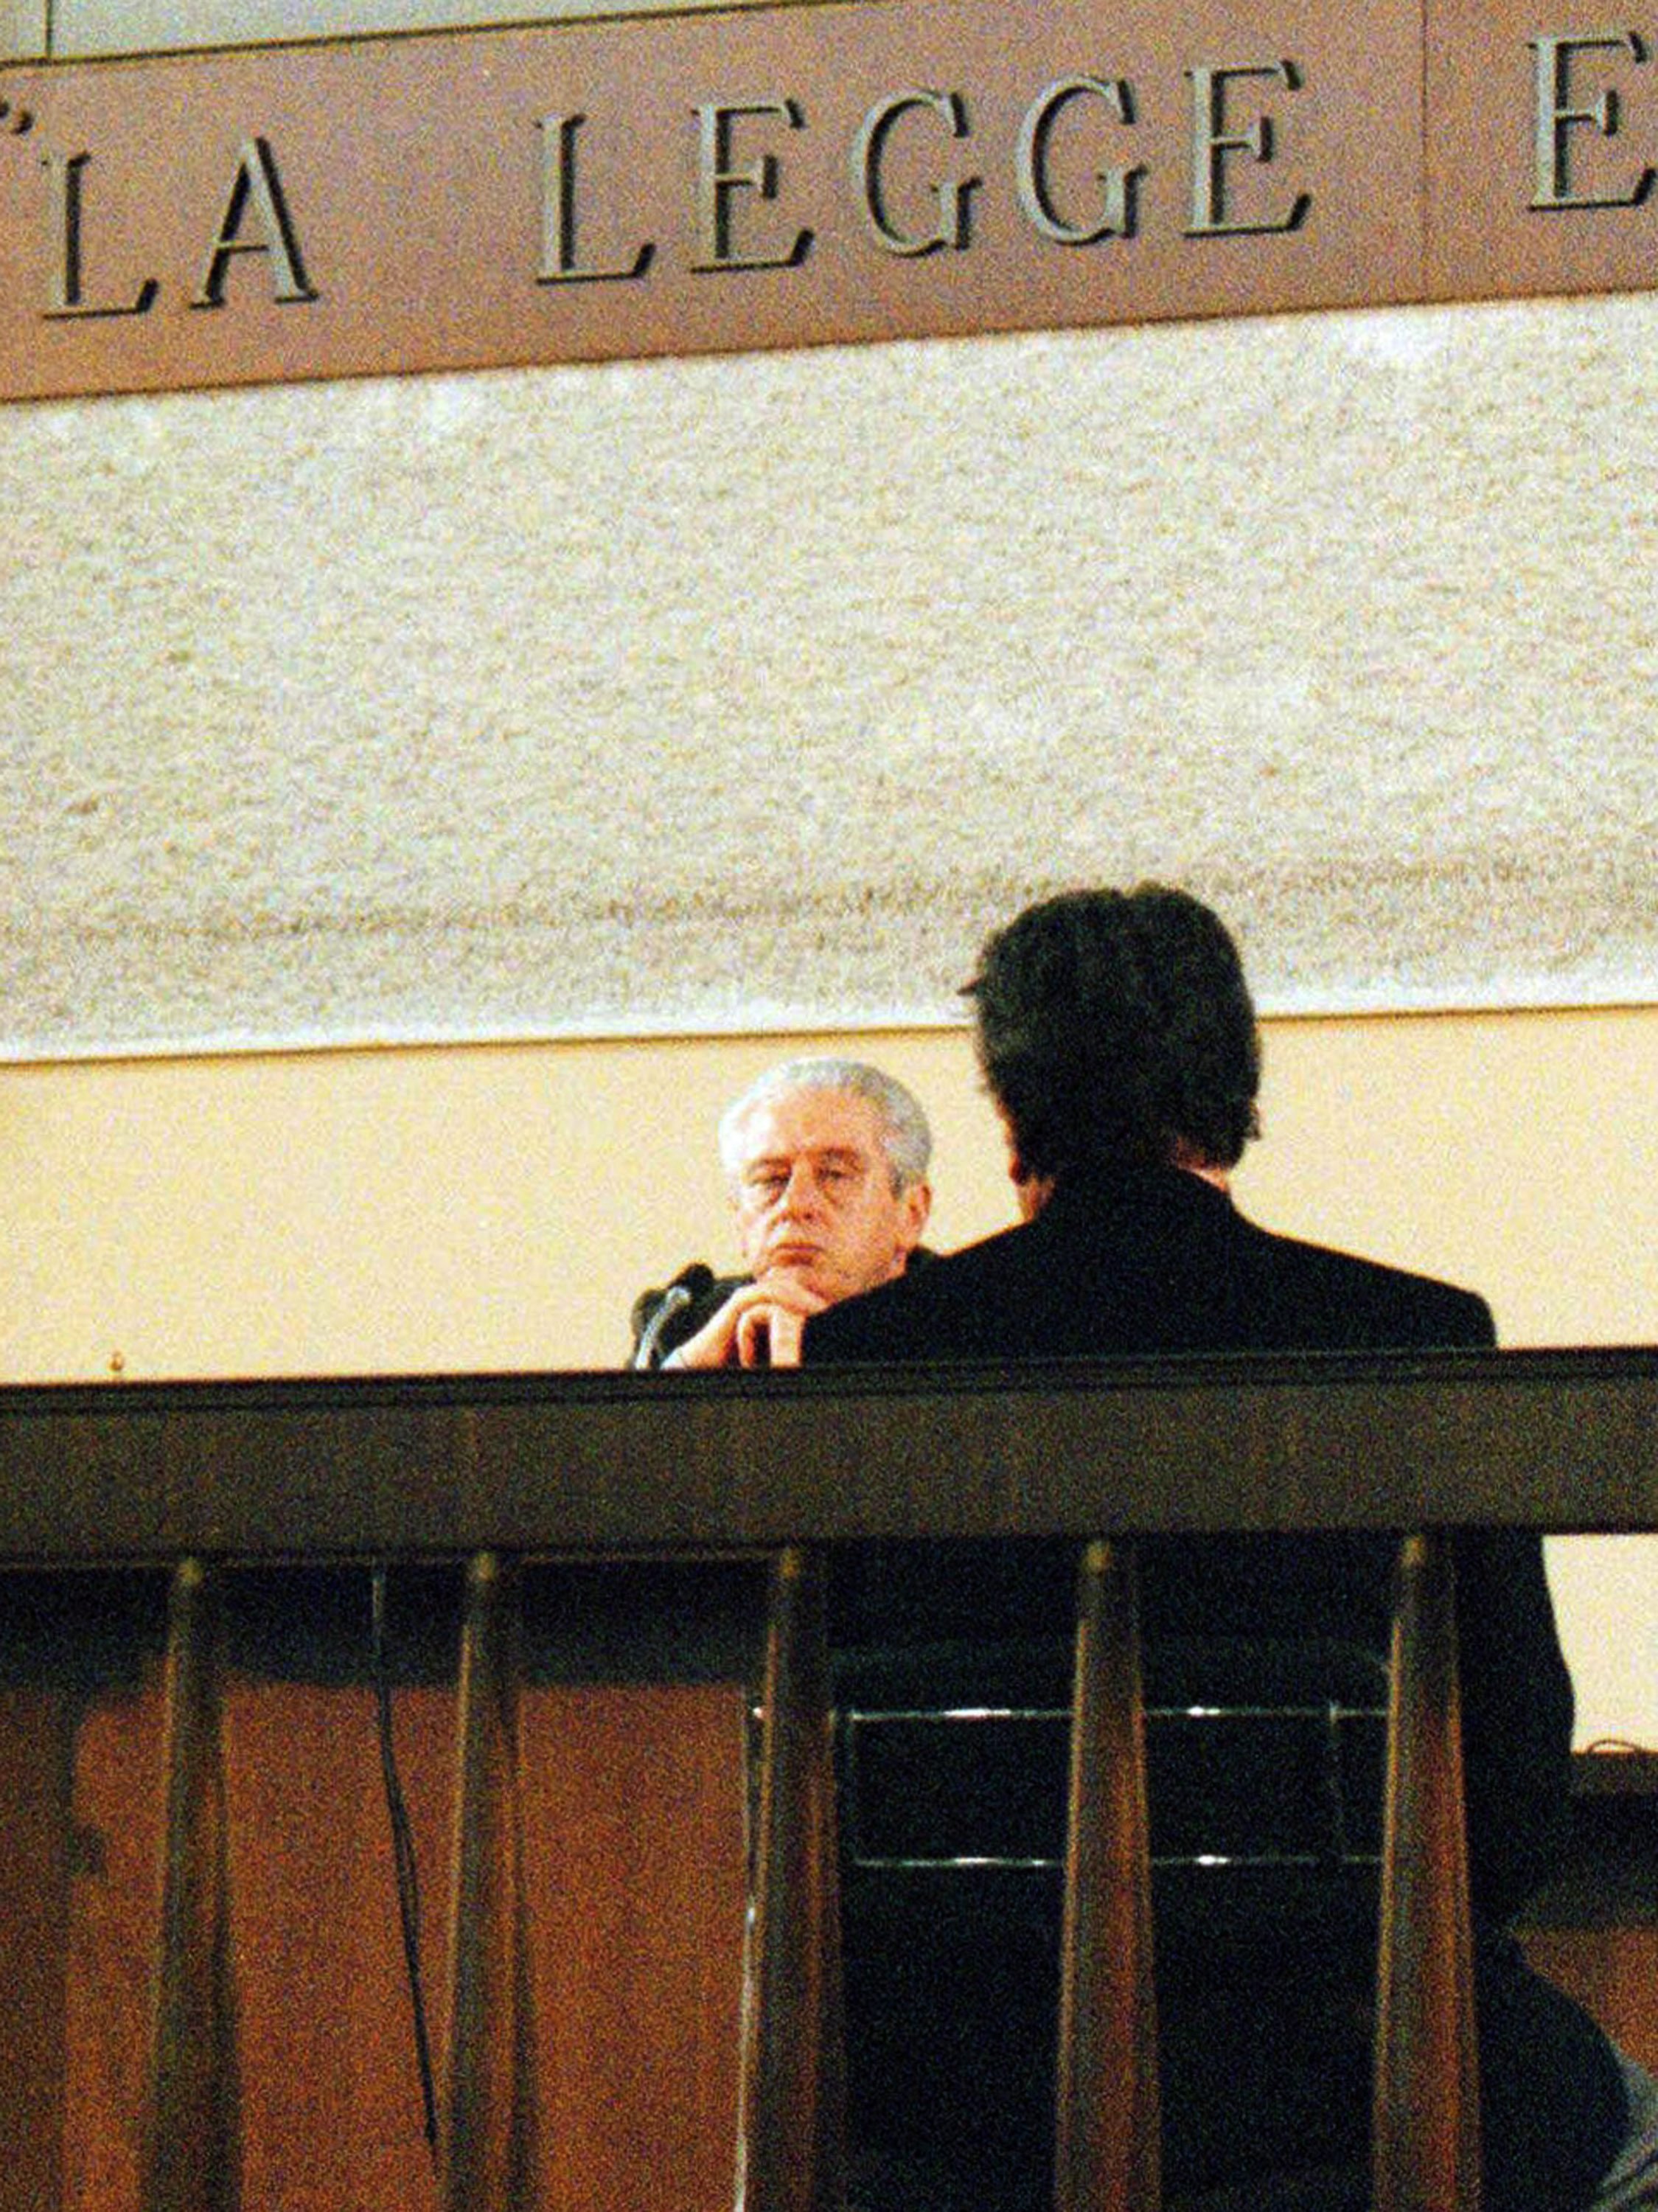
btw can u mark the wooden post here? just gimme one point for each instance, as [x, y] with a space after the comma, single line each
[190, 2147]
[1426, 2122]
[1108, 2147]
[482, 2144]
[791, 2135]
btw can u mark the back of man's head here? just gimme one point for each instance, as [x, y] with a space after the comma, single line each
[906, 1138]
[1115, 1028]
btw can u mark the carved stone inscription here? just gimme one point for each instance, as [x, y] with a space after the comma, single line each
[1541, 151]
[583, 190]
[916, 149]
[253, 220]
[1563, 110]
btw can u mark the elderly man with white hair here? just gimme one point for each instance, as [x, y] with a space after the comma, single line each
[826, 1161]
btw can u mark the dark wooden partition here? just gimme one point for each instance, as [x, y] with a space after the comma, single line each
[622, 1954]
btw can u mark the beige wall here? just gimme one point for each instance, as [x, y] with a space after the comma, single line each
[498, 1208]
[475, 1207]
[746, 693]
[22, 29]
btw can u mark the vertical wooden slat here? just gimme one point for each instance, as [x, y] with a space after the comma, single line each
[791, 2130]
[190, 2130]
[1426, 2123]
[1107, 2140]
[484, 2149]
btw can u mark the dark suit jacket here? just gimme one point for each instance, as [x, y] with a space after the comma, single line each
[1271, 2072]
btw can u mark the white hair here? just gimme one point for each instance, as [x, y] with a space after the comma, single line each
[904, 1136]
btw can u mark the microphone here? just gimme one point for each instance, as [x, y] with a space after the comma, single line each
[687, 1285]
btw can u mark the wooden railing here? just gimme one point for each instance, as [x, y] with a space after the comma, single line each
[207, 2000]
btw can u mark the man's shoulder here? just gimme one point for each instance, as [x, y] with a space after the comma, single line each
[1322, 1295]
[1162, 1267]
[901, 1320]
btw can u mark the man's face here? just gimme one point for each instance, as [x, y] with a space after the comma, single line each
[814, 1196]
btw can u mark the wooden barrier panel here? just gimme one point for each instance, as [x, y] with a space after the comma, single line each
[201, 1921]
[208, 2003]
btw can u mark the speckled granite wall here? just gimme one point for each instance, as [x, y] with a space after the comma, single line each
[749, 691]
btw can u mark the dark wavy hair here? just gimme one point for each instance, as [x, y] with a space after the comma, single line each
[1115, 1028]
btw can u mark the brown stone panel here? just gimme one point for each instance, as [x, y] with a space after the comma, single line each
[1344, 137]
[1502, 74]
[400, 200]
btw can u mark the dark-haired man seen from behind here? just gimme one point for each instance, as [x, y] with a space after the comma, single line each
[825, 1160]
[1118, 1042]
